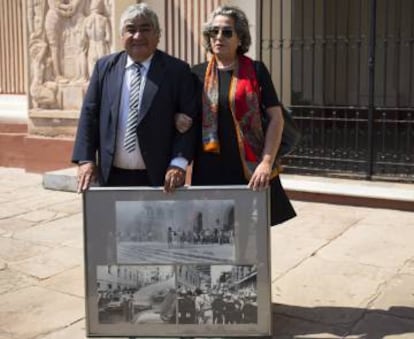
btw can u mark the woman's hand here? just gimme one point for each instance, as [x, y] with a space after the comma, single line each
[260, 179]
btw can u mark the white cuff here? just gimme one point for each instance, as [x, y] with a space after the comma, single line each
[179, 162]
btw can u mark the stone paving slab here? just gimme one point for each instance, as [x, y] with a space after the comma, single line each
[408, 267]
[32, 311]
[71, 282]
[370, 244]
[42, 215]
[15, 250]
[68, 207]
[51, 263]
[324, 291]
[11, 281]
[289, 251]
[54, 233]
[10, 225]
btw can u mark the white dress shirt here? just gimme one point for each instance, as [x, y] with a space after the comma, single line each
[134, 159]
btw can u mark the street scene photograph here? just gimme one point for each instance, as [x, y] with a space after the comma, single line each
[136, 294]
[197, 231]
[217, 294]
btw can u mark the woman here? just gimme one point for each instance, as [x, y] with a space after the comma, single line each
[234, 149]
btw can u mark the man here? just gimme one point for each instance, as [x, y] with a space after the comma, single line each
[126, 134]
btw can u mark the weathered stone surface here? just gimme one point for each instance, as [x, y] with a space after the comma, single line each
[56, 232]
[10, 225]
[12, 178]
[385, 217]
[4, 335]
[397, 292]
[64, 180]
[377, 325]
[76, 330]
[11, 210]
[16, 250]
[366, 244]
[50, 263]
[318, 225]
[28, 202]
[42, 216]
[288, 250]
[11, 281]
[287, 328]
[326, 211]
[69, 207]
[70, 282]
[409, 267]
[332, 292]
[32, 311]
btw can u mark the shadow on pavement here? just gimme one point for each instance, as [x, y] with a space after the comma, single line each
[323, 322]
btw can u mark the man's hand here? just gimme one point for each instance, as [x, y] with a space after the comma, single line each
[175, 177]
[86, 175]
[182, 122]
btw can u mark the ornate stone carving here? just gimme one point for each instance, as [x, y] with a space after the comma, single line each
[66, 37]
[98, 33]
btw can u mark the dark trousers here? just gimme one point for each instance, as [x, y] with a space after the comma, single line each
[125, 177]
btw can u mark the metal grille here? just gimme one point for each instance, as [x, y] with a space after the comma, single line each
[352, 85]
[183, 20]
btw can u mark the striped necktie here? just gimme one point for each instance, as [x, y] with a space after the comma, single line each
[130, 141]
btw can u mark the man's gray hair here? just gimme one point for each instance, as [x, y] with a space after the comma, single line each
[241, 25]
[139, 10]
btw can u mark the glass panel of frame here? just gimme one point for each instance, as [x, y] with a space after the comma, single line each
[192, 263]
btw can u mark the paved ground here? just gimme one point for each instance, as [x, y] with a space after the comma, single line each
[337, 271]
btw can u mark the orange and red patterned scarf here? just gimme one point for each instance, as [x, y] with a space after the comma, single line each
[244, 99]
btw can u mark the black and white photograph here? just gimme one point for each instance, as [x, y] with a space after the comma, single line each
[198, 231]
[217, 294]
[190, 264]
[136, 294]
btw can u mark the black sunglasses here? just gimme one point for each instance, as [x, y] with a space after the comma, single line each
[226, 32]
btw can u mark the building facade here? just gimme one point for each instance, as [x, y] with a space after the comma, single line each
[348, 79]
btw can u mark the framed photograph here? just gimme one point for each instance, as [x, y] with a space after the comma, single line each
[192, 263]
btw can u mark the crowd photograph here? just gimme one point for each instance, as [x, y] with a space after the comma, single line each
[175, 231]
[217, 294]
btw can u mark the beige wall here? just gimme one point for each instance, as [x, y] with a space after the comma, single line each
[12, 47]
[119, 7]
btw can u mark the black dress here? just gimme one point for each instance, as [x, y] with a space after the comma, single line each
[225, 168]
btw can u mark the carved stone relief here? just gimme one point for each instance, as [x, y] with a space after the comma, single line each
[66, 37]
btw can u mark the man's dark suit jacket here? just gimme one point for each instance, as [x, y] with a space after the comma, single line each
[169, 89]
